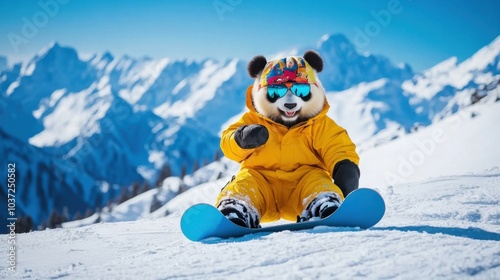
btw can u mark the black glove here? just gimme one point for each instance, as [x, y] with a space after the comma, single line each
[251, 136]
[346, 176]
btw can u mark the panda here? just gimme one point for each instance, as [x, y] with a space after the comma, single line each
[296, 163]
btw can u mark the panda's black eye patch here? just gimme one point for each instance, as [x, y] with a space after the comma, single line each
[307, 97]
[273, 98]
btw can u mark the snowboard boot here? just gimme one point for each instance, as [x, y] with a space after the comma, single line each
[321, 207]
[239, 212]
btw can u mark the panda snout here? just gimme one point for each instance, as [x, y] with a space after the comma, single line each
[290, 105]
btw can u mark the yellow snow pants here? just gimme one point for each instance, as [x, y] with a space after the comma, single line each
[279, 194]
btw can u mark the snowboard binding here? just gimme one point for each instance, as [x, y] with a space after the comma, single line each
[321, 207]
[239, 213]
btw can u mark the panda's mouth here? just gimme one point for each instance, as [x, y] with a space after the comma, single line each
[288, 114]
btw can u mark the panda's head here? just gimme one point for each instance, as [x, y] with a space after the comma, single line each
[287, 90]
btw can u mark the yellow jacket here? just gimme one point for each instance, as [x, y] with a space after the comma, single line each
[318, 142]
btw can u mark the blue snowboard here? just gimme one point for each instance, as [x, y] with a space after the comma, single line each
[362, 208]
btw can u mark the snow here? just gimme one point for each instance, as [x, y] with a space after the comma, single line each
[12, 87]
[49, 103]
[202, 88]
[484, 57]
[372, 108]
[157, 157]
[349, 105]
[70, 118]
[179, 86]
[140, 78]
[92, 219]
[439, 228]
[433, 80]
[462, 143]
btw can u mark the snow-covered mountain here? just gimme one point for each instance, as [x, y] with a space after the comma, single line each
[448, 86]
[45, 183]
[344, 67]
[392, 106]
[120, 119]
[83, 111]
[370, 108]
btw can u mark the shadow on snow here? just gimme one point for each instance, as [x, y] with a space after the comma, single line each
[471, 232]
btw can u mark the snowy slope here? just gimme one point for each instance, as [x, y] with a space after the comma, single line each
[445, 228]
[459, 144]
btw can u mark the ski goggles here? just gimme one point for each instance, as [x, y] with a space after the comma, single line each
[280, 90]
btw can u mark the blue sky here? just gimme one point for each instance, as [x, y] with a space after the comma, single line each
[419, 32]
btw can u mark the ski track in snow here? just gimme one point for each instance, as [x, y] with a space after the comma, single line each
[447, 227]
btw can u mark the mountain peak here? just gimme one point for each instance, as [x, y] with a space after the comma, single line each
[105, 56]
[52, 46]
[108, 56]
[55, 67]
[336, 39]
[349, 67]
[101, 60]
[55, 50]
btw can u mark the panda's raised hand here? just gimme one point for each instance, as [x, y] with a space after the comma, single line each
[251, 136]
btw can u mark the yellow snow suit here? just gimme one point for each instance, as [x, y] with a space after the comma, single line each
[281, 177]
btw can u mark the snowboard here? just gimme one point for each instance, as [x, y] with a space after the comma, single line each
[362, 208]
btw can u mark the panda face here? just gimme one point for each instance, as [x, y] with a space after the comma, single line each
[289, 109]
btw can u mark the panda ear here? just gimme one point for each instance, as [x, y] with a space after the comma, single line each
[256, 65]
[314, 59]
